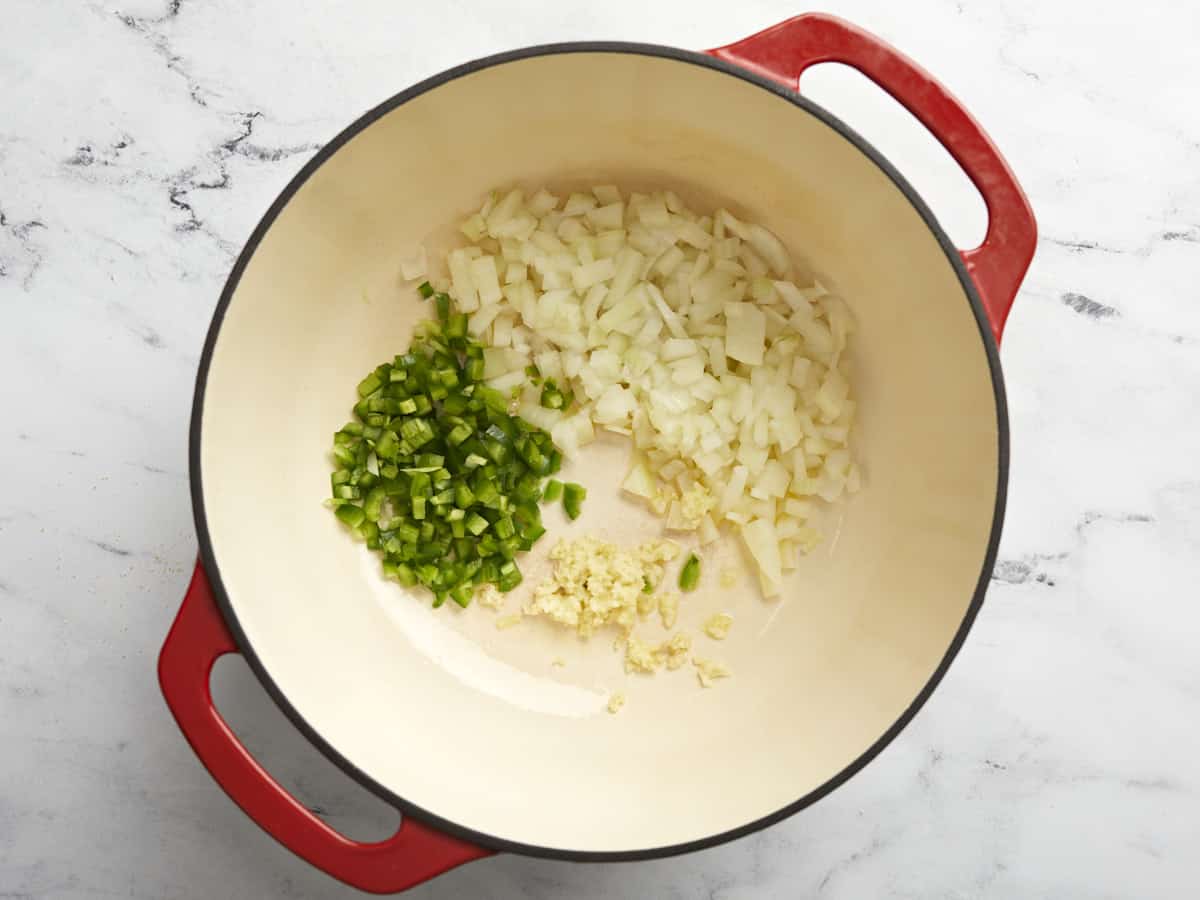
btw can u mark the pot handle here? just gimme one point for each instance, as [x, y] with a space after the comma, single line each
[196, 640]
[782, 53]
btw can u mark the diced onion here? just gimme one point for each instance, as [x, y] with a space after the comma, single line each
[687, 333]
[414, 266]
[639, 482]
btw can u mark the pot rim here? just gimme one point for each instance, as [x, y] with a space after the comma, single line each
[407, 808]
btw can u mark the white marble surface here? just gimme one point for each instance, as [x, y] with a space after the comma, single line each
[140, 140]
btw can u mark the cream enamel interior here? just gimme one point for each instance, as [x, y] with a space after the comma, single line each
[475, 724]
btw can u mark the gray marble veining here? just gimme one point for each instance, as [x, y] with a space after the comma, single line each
[140, 140]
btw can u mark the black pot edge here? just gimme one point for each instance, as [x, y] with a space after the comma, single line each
[407, 808]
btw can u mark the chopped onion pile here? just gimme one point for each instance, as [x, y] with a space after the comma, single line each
[691, 334]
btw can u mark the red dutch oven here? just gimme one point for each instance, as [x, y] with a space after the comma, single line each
[466, 729]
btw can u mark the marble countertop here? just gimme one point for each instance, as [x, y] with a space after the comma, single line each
[140, 140]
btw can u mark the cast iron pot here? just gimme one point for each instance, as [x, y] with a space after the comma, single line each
[468, 730]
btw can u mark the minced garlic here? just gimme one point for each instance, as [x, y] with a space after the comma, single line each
[594, 583]
[490, 596]
[695, 504]
[641, 657]
[652, 553]
[708, 670]
[728, 578]
[675, 651]
[508, 621]
[717, 626]
[648, 659]
[691, 509]
[654, 575]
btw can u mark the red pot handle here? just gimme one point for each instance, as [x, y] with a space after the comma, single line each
[784, 51]
[198, 638]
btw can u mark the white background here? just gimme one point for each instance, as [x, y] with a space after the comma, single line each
[139, 144]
